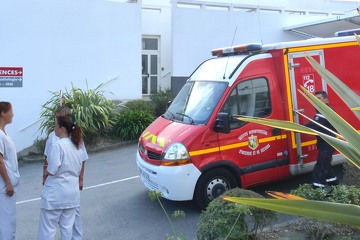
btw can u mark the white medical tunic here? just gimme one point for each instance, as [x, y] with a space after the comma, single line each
[8, 204]
[52, 138]
[8, 151]
[61, 191]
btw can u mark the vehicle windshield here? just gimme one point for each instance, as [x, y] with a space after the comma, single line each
[195, 102]
[217, 68]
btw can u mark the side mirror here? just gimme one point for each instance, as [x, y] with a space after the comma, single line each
[222, 123]
[168, 104]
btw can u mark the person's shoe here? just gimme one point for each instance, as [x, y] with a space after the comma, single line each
[318, 186]
[333, 182]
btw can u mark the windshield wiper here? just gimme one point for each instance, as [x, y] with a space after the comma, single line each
[172, 116]
[184, 115]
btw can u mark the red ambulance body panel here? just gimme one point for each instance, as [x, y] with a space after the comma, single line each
[198, 148]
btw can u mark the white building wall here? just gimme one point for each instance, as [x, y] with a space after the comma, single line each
[200, 26]
[64, 42]
[89, 42]
[156, 21]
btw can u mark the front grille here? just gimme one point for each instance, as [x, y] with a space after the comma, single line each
[150, 184]
[153, 155]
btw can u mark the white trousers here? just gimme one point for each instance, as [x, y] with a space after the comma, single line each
[7, 216]
[49, 220]
[77, 228]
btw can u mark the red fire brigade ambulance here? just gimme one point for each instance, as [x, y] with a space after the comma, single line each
[198, 149]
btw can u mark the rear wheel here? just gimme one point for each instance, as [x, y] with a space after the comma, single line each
[212, 184]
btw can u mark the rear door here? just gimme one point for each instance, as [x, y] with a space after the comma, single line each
[303, 74]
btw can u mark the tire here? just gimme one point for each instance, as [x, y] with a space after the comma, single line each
[212, 184]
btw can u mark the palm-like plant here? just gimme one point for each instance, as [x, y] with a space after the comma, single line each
[91, 110]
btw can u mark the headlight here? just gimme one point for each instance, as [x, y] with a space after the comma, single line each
[176, 154]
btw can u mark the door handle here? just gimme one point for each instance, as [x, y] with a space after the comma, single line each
[297, 111]
[275, 131]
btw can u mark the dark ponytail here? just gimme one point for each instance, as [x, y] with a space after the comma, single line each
[74, 130]
[76, 135]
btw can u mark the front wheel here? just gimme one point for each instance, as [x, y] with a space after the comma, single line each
[211, 185]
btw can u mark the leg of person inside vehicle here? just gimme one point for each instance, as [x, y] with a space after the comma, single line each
[319, 172]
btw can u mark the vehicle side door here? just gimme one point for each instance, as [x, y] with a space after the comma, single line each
[257, 150]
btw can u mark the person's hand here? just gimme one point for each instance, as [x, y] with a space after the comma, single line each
[81, 184]
[9, 190]
[44, 174]
[44, 177]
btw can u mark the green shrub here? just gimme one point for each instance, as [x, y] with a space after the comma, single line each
[129, 124]
[345, 194]
[351, 174]
[91, 110]
[226, 220]
[141, 105]
[308, 192]
[339, 194]
[316, 229]
[48, 113]
[39, 144]
[161, 100]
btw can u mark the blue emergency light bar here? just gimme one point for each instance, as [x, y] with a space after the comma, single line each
[349, 32]
[237, 49]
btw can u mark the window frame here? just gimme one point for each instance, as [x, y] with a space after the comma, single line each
[236, 95]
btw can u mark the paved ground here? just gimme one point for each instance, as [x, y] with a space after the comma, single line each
[115, 203]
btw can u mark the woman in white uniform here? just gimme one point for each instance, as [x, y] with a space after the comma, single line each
[52, 138]
[61, 196]
[10, 177]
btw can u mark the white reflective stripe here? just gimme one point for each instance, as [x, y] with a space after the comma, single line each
[320, 115]
[331, 179]
[318, 185]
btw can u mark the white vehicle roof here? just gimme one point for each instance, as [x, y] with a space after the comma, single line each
[308, 42]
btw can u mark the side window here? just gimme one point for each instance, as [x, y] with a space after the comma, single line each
[249, 98]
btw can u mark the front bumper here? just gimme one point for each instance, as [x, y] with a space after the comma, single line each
[175, 182]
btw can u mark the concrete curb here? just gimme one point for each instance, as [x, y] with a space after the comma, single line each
[110, 146]
[34, 158]
[281, 223]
